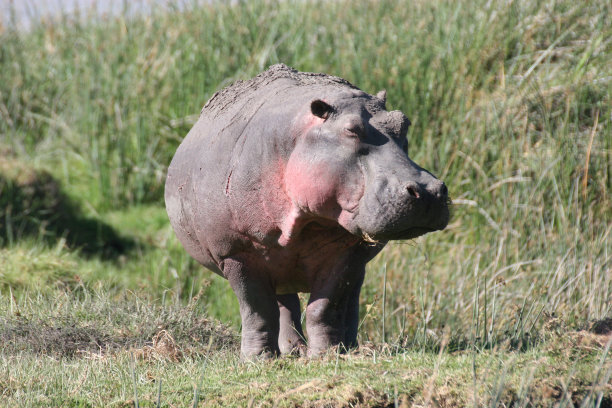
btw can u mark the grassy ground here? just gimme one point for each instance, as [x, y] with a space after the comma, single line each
[510, 104]
[86, 349]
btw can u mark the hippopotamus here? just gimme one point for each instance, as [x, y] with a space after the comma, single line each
[291, 182]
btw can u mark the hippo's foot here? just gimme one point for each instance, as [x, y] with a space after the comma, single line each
[259, 344]
[292, 347]
[326, 328]
[330, 326]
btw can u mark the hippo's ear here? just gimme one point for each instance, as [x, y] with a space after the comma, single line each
[382, 95]
[321, 108]
[399, 123]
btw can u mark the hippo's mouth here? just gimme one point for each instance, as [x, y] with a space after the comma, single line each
[411, 233]
[408, 233]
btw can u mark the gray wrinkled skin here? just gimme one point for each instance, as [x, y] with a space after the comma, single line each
[291, 182]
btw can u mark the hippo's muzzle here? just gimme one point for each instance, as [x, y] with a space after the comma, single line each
[394, 209]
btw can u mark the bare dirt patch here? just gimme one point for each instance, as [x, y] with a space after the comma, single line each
[154, 333]
[59, 339]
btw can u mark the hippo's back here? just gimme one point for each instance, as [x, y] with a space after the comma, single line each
[267, 84]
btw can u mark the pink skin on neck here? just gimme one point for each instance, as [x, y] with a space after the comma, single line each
[303, 189]
[318, 189]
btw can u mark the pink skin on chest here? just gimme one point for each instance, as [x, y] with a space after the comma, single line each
[295, 194]
[318, 186]
[312, 187]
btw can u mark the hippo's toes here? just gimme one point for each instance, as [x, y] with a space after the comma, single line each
[258, 345]
[293, 348]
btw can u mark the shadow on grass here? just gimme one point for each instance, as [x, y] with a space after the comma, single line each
[33, 205]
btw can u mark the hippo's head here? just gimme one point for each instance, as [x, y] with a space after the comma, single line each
[350, 164]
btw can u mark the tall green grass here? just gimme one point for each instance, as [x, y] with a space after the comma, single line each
[510, 105]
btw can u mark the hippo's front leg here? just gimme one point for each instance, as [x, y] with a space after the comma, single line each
[332, 314]
[258, 309]
[351, 318]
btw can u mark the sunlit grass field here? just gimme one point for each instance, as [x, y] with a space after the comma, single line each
[510, 104]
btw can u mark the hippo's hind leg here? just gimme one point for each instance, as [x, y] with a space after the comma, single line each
[258, 309]
[290, 336]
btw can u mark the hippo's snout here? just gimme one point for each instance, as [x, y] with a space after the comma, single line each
[435, 203]
[439, 190]
[404, 209]
[423, 208]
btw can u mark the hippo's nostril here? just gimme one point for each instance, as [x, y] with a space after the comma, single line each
[412, 192]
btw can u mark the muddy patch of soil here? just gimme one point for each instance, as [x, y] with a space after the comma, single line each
[59, 339]
[167, 335]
